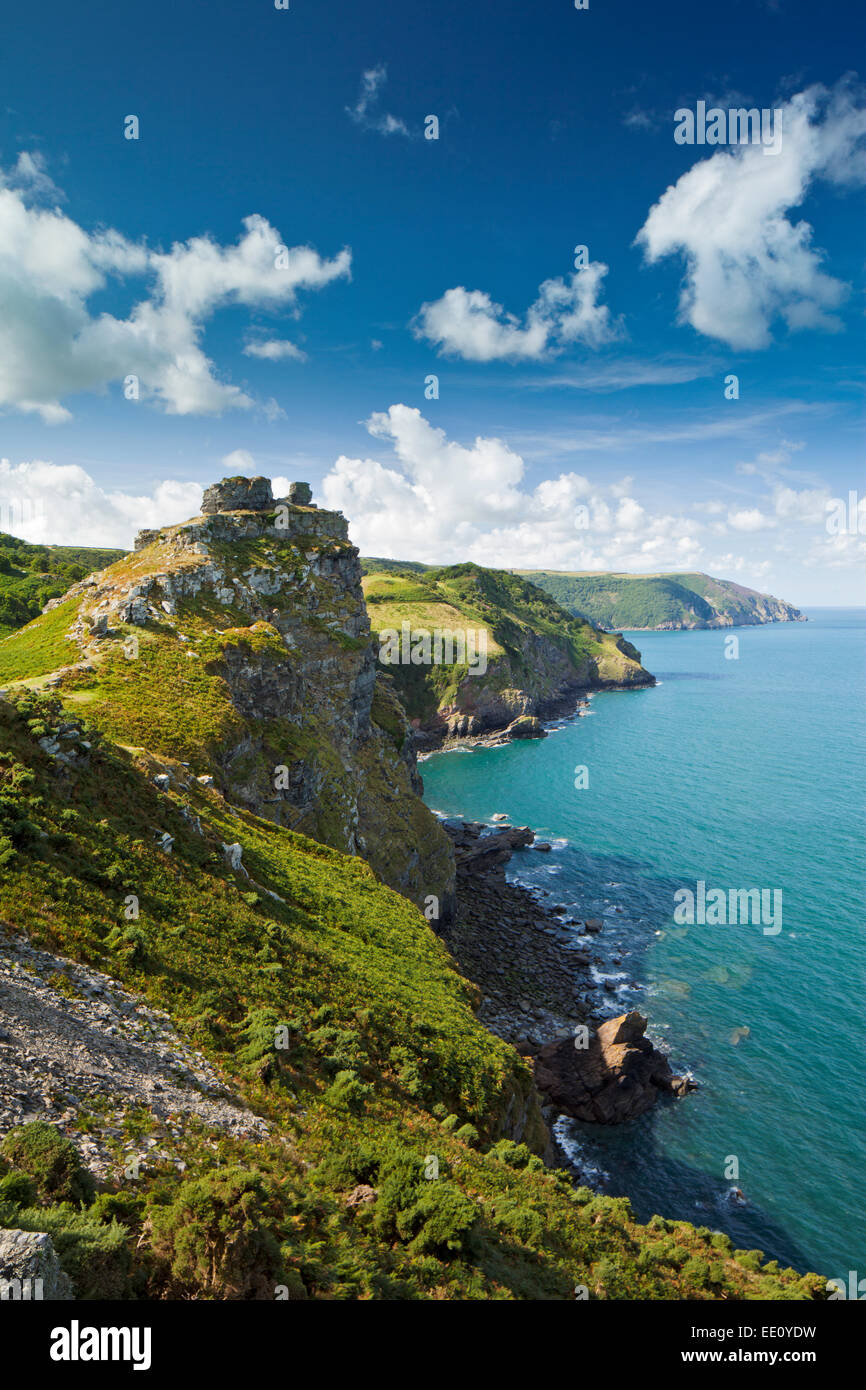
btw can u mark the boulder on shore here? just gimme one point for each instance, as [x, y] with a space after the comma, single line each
[617, 1077]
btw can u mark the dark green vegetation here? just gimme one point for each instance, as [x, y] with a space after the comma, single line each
[30, 575]
[620, 601]
[526, 629]
[402, 1160]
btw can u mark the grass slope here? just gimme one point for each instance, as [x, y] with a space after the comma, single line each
[387, 1081]
[507, 607]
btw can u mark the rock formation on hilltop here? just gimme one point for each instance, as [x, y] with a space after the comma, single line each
[239, 643]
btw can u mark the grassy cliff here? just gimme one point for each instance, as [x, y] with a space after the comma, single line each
[244, 650]
[538, 655]
[401, 1158]
[661, 601]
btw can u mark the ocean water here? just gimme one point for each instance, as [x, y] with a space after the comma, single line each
[740, 773]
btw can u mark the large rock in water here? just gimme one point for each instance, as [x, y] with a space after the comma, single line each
[29, 1268]
[238, 495]
[617, 1077]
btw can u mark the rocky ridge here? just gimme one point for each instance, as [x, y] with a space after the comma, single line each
[266, 594]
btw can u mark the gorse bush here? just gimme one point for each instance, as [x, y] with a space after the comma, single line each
[93, 1253]
[51, 1160]
[216, 1237]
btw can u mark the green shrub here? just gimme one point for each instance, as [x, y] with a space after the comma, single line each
[519, 1221]
[513, 1155]
[129, 943]
[749, 1259]
[94, 1255]
[440, 1223]
[19, 1189]
[696, 1271]
[217, 1238]
[51, 1160]
[348, 1092]
[468, 1134]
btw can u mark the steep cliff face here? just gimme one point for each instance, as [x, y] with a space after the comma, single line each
[537, 658]
[239, 643]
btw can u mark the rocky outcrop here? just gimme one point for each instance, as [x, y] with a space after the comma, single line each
[478, 850]
[267, 596]
[238, 495]
[516, 694]
[617, 1077]
[30, 1269]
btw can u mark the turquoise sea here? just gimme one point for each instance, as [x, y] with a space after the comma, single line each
[741, 773]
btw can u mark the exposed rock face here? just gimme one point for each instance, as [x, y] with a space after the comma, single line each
[312, 739]
[300, 495]
[30, 1269]
[617, 1077]
[238, 495]
[515, 695]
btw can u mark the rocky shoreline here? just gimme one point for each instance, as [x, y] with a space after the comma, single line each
[532, 964]
[443, 740]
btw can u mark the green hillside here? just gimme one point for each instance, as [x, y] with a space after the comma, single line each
[533, 644]
[387, 1077]
[143, 833]
[629, 601]
[31, 575]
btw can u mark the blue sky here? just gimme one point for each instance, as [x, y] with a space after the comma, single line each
[581, 420]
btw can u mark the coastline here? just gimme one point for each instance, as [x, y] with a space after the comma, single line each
[543, 972]
[572, 705]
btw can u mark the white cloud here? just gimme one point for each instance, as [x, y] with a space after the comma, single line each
[437, 500]
[61, 504]
[362, 112]
[749, 519]
[275, 350]
[469, 324]
[625, 375]
[52, 346]
[30, 173]
[237, 462]
[747, 264]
